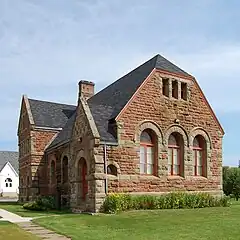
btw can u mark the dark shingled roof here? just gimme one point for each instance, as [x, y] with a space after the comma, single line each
[49, 114]
[9, 156]
[109, 102]
[104, 106]
[65, 134]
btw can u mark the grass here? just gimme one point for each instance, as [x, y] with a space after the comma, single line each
[187, 224]
[9, 231]
[19, 210]
[184, 224]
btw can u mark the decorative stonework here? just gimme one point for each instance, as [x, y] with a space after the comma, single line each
[146, 124]
[177, 129]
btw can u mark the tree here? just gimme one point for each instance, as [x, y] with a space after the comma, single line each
[231, 181]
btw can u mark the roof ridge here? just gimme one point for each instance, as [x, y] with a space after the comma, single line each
[66, 104]
[129, 73]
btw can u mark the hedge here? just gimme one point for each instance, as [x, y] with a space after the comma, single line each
[41, 204]
[121, 202]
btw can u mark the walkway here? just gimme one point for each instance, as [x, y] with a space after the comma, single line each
[27, 225]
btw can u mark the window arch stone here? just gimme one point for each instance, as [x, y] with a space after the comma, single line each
[177, 129]
[115, 165]
[148, 125]
[199, 131]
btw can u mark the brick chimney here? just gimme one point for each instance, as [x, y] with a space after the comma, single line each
[86, 89]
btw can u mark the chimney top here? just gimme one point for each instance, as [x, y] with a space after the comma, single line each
[86, 89]
[85, 82]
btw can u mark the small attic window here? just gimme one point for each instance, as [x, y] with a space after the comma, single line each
[175, 89]
[165, 87]
[183, 91]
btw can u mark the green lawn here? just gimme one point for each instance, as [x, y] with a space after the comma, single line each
[10, 231]
[188, 224]
[18, 209]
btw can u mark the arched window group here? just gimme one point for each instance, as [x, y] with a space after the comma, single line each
[176, 151]
[8, 182]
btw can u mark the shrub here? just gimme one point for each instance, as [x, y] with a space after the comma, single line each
[47, 202]
[32, 206]
[41, 204]
[121, 202]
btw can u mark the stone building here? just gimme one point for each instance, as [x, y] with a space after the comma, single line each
[150, 132]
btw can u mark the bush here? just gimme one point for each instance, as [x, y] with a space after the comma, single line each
[121, 202]
[231, 182]
[32, 206]
[41, 204]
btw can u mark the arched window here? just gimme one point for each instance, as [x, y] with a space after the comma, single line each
[199, 151]
[112, 170]
[82, 173]
[175, 154]
[65, 169]
[147, 152]
[53, 172]
[8, 182]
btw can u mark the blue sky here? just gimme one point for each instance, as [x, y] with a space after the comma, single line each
[47, 46]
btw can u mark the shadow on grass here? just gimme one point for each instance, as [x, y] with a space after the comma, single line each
[17, 208]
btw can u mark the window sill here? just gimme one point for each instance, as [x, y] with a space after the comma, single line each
[148, 177]
[111, 177]
[198, 177]
[174, 177]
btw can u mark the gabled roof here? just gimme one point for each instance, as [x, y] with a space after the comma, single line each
[66, 133]
[50, 114]
[11, 157]
[108, 103]
[104, 106]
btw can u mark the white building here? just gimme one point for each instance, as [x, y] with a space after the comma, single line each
[9, 179]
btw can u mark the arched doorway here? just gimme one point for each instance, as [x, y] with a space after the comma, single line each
[83, 183]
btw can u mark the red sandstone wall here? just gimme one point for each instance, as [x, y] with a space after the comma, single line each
[150, 104]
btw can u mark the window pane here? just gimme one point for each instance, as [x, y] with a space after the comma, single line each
[169, 169]
[196, 142]
[199, 169]
[145, 137]
[172, 140]
[199, 158]
[149, 169]
[150, 155]
[142, 167]
[142, 155]
[175, 157]
[176, 169]
[170, 156]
